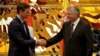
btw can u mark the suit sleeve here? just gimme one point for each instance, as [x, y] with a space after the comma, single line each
[56, 38]
[16, 35]
[89, 40]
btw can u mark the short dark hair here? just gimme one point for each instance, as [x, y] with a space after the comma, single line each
[22, 7]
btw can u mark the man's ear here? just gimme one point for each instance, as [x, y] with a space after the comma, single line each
[21, 11]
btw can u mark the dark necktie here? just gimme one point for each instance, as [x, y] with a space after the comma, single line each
[71, 30]
[25, 27]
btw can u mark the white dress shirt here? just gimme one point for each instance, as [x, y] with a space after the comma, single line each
[75, 23]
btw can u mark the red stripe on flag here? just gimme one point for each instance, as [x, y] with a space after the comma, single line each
[25, 1]
[29, 20]
[62, 45]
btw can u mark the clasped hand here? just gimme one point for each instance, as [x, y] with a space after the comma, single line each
[41, 42]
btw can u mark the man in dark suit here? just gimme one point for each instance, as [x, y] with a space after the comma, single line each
[19, 37]
[78, 39]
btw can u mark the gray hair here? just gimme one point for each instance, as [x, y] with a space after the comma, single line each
[74, 9]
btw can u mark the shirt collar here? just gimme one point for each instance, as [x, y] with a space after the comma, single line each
[76, 22]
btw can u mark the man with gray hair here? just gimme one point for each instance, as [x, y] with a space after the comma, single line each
[77, 35]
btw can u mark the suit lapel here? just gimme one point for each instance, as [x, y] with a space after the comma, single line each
[21, 25]
[27, 30]
[18, 20]
[77, 29]
[67, 31]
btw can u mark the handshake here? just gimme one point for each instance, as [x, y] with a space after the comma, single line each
[41, 42]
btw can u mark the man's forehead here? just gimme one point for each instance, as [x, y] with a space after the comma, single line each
[69, 11]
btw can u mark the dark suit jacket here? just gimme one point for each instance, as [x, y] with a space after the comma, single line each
[81, 42]
[19, 40]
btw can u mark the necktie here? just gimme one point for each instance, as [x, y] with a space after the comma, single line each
[71, 30]
[25, 26]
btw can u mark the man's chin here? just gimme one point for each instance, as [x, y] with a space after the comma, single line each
[67, 20]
